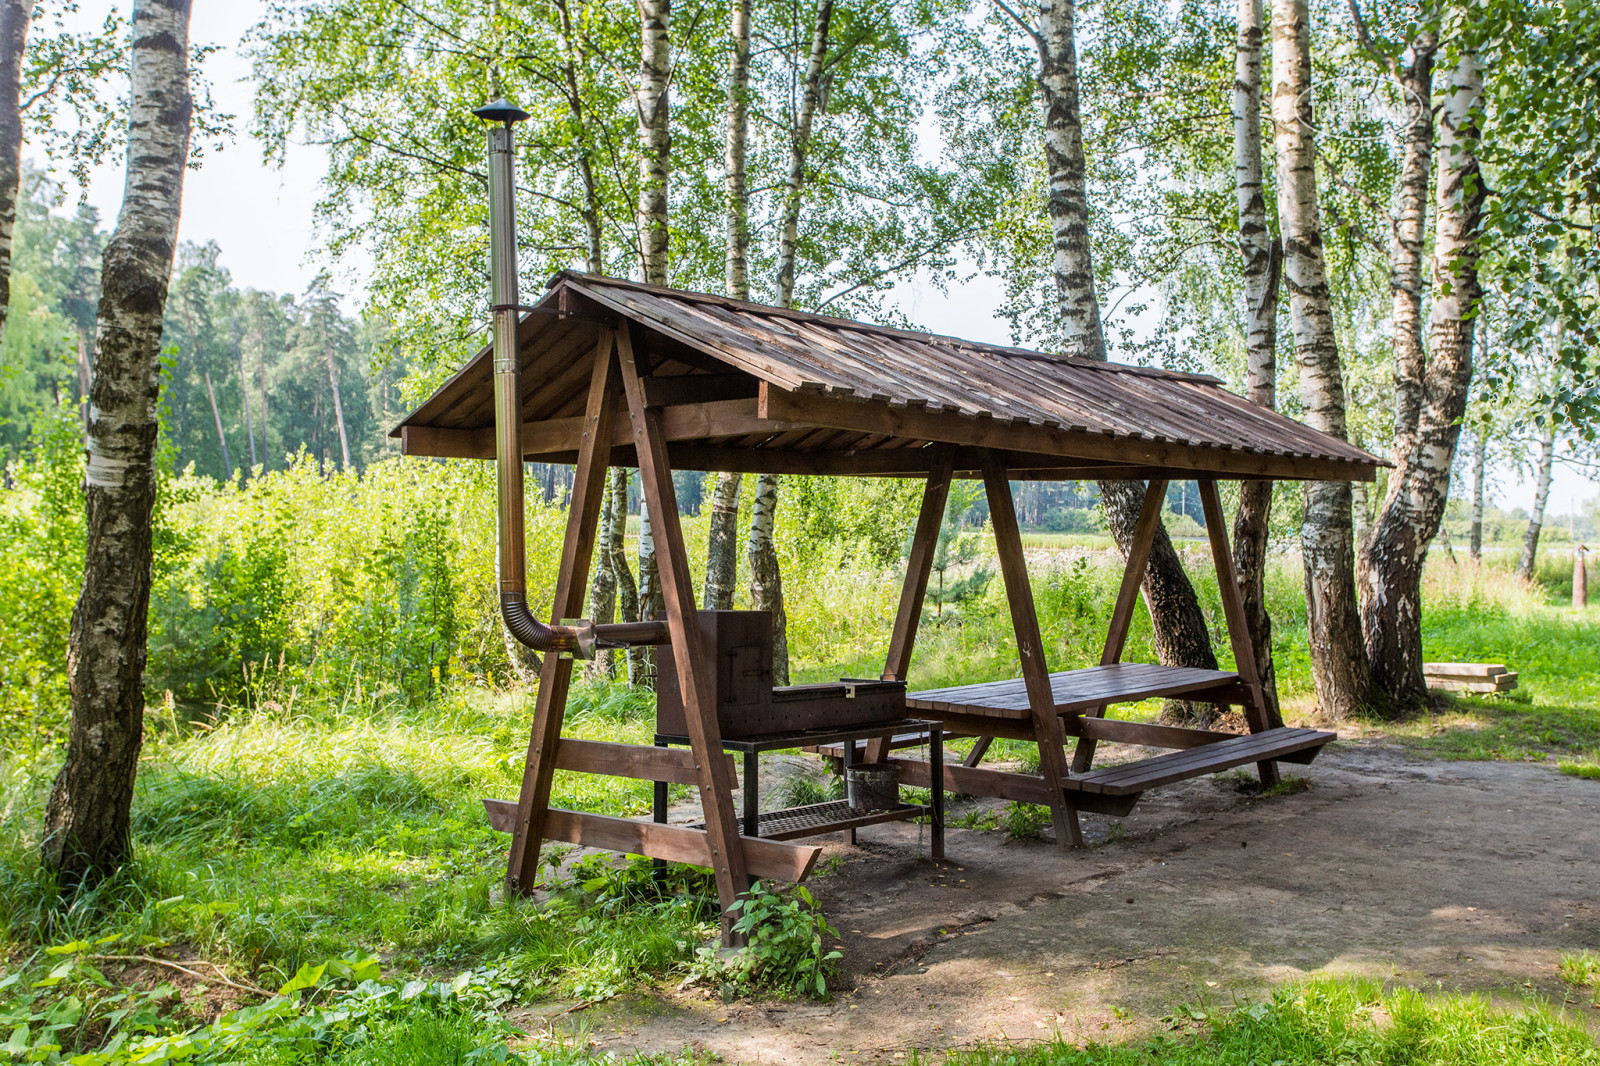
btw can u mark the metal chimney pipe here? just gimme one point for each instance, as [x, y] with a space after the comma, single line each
[579, 637]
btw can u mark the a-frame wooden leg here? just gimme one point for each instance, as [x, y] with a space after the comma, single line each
[688, 641]
[1047, 729]
[1144, 535]
[588, 487]
[924, 543]
[1244, 654]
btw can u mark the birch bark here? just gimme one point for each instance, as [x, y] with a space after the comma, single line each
[617, 551]
[222, 438]
[86, 831]
[1068, 197]
[1435, 396]
[722, 562]
[1541, 496]
[1262, 257]
[338, 410]
[1338, 658]
[652, 600]
[766, 581]
[1406, 247]
[14, 15]
[655, 71]
[1480, 460]
[1182, 637]
[603, 589]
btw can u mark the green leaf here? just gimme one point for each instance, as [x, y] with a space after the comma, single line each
[307, 976]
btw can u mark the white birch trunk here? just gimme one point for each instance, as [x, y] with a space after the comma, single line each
[1541, 496]
[1262, 260]
[1480, 460]
[338, 411]
[86, 831]
[1393, 554]
[722, 562]
[799, 145]
[1068, 198]
[1182, 636]
[655, 70]
[1338, 659]
[222, 438]
[766, 583]
[14, 15]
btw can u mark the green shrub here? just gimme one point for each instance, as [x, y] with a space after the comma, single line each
[786, 952]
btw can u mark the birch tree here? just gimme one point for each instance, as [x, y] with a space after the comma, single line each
[14, 16]
[86, 831]
[722, 564]
[1430, 389]
[1261, 254]
[766, 581]
[1338, 657]
[1182, 637]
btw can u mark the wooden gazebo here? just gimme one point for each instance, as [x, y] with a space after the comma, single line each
[615, 373]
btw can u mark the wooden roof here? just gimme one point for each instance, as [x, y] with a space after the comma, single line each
[753, 388]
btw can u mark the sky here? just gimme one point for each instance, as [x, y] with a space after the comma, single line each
[262, 217]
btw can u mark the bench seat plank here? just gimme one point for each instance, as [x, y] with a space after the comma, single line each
[1072, 690]
[1207, 759]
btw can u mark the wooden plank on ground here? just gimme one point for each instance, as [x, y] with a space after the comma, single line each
[1499, 683]
[1465, 671]
[673, 843]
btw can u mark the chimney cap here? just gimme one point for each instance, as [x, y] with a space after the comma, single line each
[501, 110]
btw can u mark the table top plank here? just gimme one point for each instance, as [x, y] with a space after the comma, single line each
[1072, 690]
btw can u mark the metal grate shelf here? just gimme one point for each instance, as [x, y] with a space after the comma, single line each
[831, 817]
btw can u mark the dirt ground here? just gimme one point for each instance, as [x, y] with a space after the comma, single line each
[1470, 876]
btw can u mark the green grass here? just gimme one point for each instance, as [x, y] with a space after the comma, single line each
[1331, 1023]
[266, 842]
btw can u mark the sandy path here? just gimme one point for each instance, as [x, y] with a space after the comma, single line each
[1474, 876]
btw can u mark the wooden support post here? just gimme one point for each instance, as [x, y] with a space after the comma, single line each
[1047, 729]
[1244, 655]
[688, 641]
[924, 542]
[1144, 535]
[572, 585]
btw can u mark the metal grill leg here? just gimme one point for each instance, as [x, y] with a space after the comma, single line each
[936, 779]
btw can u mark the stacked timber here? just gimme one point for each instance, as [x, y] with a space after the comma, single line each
[1470, 677]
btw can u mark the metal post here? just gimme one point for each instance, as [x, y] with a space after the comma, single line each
[936, 779]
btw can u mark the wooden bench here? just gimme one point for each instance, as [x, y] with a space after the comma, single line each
[1131, 778]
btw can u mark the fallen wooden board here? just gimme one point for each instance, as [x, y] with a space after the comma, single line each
[1464, 671]
[1501, 683]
